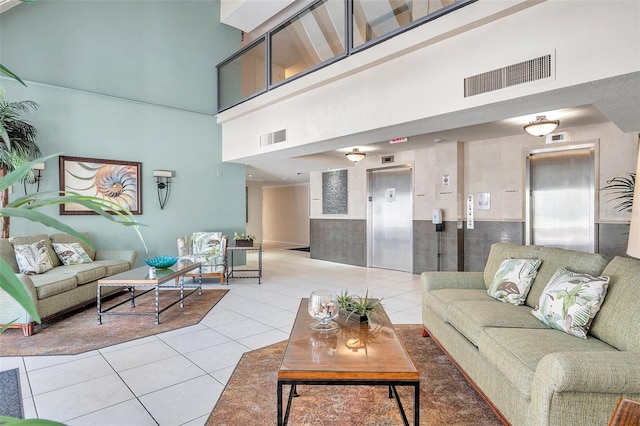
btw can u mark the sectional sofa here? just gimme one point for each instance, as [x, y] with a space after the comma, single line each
[63, 287]
[532, 373]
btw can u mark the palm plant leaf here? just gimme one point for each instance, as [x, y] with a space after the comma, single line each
[8, 72]
[623, 187]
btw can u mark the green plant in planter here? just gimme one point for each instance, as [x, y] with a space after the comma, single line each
[363, 307]
[243, 237]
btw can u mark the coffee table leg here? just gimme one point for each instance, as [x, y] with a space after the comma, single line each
[182, 292]
[279, 403]
[416, 404]
[99, 306]
[157, 305]
[132, 290]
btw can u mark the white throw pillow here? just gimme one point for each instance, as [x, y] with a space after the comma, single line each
[570, 301]
[33, 258]
[71, 253]
[513, 279]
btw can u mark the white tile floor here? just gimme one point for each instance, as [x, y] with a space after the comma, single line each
[175, 378]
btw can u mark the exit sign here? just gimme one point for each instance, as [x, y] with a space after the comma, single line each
[398, 140]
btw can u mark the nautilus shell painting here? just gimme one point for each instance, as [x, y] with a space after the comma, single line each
[116, 181]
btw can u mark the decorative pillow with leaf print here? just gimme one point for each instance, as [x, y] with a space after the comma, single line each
[33, 258]
[570, 301]
[512, 281]
[71, 253]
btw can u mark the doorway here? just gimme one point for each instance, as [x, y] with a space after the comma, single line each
[390, 230]
[561, 202]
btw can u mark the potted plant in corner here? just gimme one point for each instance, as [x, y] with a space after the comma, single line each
[243, 240]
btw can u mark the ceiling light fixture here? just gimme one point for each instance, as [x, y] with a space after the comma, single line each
[355, 155]
[542, 126]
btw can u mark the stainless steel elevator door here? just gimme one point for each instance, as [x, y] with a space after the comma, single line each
[562, 202]
[391, 214]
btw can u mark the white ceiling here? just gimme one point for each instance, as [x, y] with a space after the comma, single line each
[292, 166]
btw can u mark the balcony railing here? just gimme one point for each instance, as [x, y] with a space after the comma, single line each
[323, 33]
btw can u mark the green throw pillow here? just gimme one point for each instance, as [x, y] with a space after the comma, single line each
[513, 279]
[33, 258]
[71, 253]
[570, 301]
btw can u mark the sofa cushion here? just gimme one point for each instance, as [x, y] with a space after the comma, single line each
[618, 321]
[515, 352]
[53, 282]
[33, 258]
[502, 251]
[30, 239]
[84, 272]
[571, 300]
[71, 253]
[471, 317]
[439, 300]
[513, 279]
[8, 254]
[66, 238]
[113, 266]
[556, 258]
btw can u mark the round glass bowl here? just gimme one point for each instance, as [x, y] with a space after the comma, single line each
[161, 262]
[323, 308]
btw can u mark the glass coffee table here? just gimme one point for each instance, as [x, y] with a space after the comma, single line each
[166, 279]
[355, 354]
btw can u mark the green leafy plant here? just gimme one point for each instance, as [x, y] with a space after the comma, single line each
[359, 306]
[623, 187]
[243, 237]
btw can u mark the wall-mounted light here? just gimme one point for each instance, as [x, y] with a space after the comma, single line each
[163, 179]
[37, 169]
[355, 155]
[541, 126]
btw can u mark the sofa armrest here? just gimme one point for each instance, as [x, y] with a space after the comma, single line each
[449, 279]
[581, 385]
[128, 255]
[10, 310]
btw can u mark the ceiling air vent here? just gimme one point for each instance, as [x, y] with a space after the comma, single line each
[512, 75]
[273, 137]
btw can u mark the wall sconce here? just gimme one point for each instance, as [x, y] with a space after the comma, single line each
[37, 175]
[163, 179]
[355, 155]
[542, 126]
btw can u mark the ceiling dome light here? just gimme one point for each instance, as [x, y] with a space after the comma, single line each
[355, 155]
[542, 126]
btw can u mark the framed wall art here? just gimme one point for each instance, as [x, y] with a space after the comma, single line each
[117, 181]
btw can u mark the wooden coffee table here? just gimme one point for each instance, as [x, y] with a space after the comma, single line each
[355, 354]
[166, 279]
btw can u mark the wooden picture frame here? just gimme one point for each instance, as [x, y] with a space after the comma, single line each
[114, 180]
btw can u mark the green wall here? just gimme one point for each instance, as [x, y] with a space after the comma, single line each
[132, 81]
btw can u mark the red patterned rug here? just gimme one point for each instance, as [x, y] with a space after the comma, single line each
[79, 332]
[446, 398]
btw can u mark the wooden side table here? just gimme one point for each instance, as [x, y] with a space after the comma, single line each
[230, 267]
[627, 413]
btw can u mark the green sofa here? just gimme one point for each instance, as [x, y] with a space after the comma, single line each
[529, 373]
[63, 288]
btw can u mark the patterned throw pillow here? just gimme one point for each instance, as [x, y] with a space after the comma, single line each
[71, 253]
[33, 258]
[513, 279]
[570, 301]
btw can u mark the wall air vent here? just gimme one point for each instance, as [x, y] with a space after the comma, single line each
[273, 137]
[512, 75]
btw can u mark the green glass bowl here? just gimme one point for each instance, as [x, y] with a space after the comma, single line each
[161, 262]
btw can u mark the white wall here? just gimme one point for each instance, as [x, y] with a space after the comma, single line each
[254, 221]
[286, 214]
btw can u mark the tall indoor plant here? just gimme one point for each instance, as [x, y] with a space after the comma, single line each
[18, 147]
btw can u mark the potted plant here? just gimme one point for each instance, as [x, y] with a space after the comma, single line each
[361, 308]
[243, 240]
[623, 187]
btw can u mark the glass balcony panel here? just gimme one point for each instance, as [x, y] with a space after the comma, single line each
[243, 76]
[308, 40]
[373, 19]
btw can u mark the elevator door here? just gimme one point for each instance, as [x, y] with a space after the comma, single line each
[391, 214]
[561, 205]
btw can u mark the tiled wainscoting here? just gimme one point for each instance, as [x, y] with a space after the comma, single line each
[345, 241]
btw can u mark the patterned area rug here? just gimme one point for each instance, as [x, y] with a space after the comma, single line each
[446, 398]
[79, 332]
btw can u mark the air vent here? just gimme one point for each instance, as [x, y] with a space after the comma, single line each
[512, 75]
[273, 137]
[388, 159]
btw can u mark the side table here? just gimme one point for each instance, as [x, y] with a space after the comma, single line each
[230, 267]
